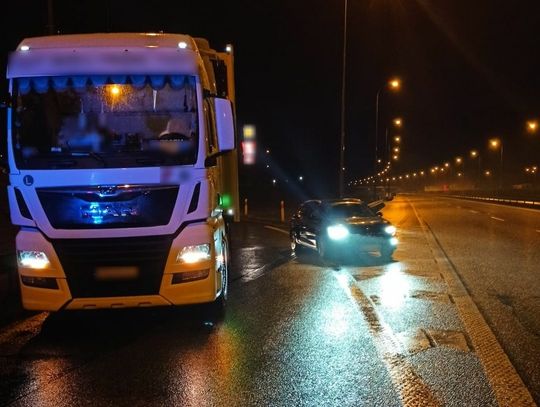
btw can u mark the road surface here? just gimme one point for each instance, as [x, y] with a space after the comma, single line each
[453, 320]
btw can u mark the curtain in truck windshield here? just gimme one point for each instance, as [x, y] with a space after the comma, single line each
[105, 121]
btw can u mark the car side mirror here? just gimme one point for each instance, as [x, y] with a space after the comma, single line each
[224, 125]
[4, 166]
[376, 206]
[6, 101]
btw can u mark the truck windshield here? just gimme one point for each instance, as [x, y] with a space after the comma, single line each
[101, 121]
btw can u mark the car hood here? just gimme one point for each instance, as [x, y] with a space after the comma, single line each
[365, 221]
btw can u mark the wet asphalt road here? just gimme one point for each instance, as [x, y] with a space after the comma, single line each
[496, 251]
[299, 331]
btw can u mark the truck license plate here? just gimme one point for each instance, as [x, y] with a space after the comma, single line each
[116, 273]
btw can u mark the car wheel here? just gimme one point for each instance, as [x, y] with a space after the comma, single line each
[387, 252]
[295, 247]
[322, 249]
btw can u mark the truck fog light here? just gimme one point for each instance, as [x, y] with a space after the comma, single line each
[394, 241]
[32, 259]
[40, 282]
[194, 254]
[190, 276]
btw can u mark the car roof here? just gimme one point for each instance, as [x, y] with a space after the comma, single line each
[334, 201]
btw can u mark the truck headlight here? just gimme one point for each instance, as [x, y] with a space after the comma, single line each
[194, 254]
[32, 259]
[391, 230]
[337, 232]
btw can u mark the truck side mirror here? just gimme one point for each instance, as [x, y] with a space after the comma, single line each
[224, 125]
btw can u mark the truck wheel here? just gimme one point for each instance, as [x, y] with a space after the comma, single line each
[216, 309]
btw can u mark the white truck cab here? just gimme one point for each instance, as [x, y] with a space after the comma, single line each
[121, 152]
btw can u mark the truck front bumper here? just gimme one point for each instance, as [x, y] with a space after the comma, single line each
[170, 290]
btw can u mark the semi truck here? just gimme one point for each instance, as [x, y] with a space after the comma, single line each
[122, 170]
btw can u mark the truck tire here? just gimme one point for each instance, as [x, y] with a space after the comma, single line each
[216, 309]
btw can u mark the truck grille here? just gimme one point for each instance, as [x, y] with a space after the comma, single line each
[80, 258]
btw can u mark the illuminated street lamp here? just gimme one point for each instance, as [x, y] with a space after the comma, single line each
[474, 154]
[398, 122]
[397, 139]
[394, 85]
[532, 126]
[459, 160]
[494, 144]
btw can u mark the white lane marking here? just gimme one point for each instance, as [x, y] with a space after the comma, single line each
[409, 385]
[278, 230]
[496, 218]
[473, 211]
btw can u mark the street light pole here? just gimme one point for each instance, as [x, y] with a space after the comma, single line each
[501, 175]
[343, 80]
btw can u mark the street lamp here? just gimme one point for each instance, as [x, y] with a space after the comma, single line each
[495, 144]
[532, 126]
[474, 155]
[394, 85]
[343, 80]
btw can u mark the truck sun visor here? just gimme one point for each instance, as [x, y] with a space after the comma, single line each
[42, 84]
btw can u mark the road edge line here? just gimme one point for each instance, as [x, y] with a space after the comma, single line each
[508, 387]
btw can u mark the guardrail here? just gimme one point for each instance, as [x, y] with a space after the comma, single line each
[519, 202]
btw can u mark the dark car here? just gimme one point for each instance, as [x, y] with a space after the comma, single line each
[342, 227]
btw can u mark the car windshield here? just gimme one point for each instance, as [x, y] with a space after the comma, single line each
[116, 121]
[350, 210]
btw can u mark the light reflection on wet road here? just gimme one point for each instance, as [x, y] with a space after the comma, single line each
[298, 332]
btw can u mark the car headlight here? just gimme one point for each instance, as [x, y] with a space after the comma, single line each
[394, 241]
[337, 232]
[194, 254]
[32, 259]
[391, 230]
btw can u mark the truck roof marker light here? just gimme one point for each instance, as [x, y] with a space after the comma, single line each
[182, 45]
[25, 48]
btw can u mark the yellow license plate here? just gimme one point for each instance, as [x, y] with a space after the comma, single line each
[116, 273]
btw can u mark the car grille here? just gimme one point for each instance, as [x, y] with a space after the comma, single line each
[81, 257]
[376, 230]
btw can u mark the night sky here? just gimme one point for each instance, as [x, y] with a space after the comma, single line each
[471, 70]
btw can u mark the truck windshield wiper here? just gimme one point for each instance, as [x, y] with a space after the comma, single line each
[149, 161]
[94, 155]
[62, 163]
